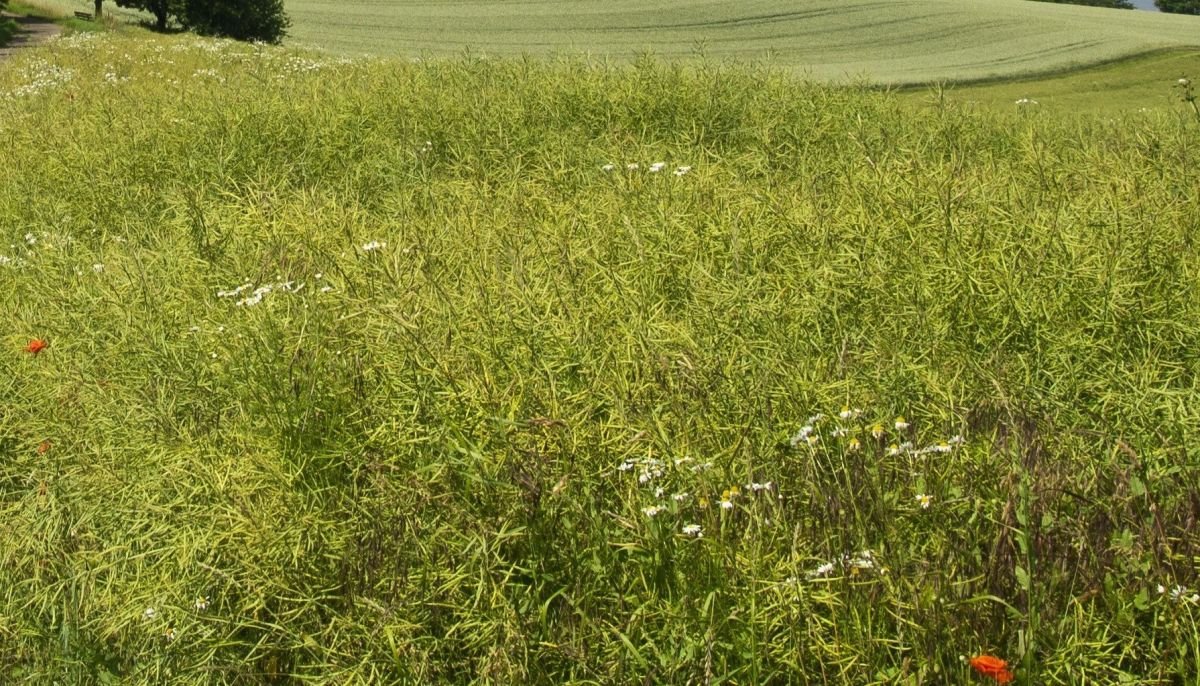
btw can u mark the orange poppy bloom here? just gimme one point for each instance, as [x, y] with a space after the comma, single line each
[993, 667]
[35, 346]
[43, 447]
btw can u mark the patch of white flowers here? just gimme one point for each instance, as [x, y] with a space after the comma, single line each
[257, 295]
[41, 76]
[1180, 594]
[846, 425]
[855, 564]
[654, 168]
[210, 74]
[75, 41]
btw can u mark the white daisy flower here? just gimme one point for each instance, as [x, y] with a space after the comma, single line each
[822, 570]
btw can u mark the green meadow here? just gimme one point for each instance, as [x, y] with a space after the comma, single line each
[485, 369]
[1135, 84]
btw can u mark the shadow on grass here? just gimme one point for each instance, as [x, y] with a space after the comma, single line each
[24, 31]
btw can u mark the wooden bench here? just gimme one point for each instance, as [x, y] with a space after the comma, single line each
[83, 15]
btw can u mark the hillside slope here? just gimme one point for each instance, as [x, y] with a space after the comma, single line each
[898, 41]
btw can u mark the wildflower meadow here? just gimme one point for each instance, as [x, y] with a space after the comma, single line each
[329, 370]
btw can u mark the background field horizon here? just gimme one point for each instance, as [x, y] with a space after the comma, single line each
[905, 41]
[902, 42]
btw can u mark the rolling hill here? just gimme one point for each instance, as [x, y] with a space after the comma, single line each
[892, 41]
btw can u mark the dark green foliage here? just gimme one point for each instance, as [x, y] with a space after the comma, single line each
[1179, 6]
[8, 27]
[261, 20]
[162, 10]
[1117, 4]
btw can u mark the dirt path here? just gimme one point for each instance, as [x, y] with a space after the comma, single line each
[34, 30]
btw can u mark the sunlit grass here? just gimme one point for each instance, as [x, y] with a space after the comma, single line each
[372, 372]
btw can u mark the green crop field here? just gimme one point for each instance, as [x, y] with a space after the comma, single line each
[895, 42]
[319, 369]
[1135, 84]
[901, 41]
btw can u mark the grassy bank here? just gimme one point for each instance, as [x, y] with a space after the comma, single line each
[376, 372]
[1129, 85]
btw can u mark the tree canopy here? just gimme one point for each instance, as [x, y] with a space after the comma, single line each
[162, 10]
[1179, 6]
[1118, 4]
[263, 20]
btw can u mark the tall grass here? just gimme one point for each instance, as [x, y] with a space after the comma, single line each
[369, 372]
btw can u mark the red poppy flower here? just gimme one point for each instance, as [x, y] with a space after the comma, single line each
[35, 346]
[993, 667]
[43, 447]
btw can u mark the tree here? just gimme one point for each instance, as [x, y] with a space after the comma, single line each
[260, 20]
[162, 10]
[1179, 6]
[1117, 4]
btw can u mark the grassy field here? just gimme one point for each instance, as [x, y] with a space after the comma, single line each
[1062, 55]
[1129, 85]
[330, 371]
[903, 41]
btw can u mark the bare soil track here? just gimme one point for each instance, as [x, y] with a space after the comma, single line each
[34, 30]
